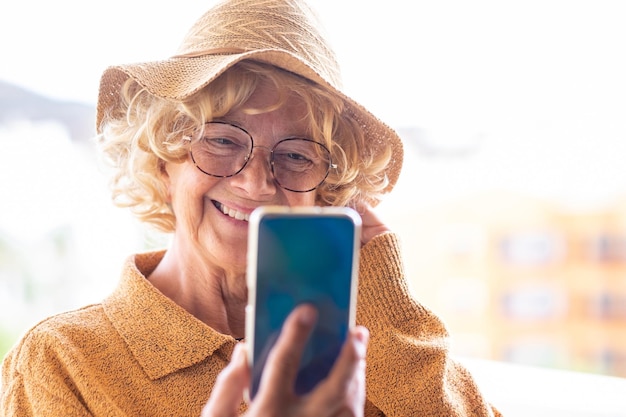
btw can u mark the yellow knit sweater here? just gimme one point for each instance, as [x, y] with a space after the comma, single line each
[139, 354]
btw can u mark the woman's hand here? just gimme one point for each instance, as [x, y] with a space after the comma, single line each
[342, 393]
[372, 224]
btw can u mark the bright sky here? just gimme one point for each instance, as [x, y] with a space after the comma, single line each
[475, 63]
[540, 81]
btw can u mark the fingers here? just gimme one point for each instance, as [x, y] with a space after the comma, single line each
[229, 386]
[352, 357]
[342, 393]
[372, 224]
[282, 364]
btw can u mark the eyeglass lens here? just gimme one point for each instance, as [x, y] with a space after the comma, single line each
[223, 150]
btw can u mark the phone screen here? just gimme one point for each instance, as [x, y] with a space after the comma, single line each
[304, 258]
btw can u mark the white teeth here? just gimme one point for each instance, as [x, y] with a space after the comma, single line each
[234, 213]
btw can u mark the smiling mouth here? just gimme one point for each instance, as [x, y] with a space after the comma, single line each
[231, 212]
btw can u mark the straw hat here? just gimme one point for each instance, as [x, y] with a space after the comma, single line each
[284, 33]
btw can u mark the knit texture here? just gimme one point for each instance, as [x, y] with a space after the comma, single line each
[139, 354]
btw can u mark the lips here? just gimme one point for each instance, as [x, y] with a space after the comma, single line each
[231, 212]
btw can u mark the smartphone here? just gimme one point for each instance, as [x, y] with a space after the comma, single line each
[301, 255]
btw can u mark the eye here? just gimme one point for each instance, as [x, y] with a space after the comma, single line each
[224, 142]
[221, 146]
[218, 141]
[297, 157]
[224, 136]
[292, 158]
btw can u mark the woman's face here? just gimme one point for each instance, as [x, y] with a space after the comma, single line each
[210, 211]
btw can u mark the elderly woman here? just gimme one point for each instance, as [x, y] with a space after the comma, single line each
[166, 342]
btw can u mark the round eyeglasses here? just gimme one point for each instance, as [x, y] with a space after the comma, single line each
[223, 150]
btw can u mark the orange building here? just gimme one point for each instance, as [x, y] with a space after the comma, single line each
[522, 280]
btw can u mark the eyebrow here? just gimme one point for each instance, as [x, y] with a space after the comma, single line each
[232, 122]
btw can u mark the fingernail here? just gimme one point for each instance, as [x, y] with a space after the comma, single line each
[238, 353]
[307, 315]
[362, 337]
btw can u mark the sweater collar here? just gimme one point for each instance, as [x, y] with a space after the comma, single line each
[161, 335]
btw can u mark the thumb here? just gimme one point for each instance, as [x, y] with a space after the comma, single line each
[229, 386]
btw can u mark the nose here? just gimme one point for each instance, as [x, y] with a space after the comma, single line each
[256, 178]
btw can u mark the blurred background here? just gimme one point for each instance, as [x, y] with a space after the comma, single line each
[511, 207]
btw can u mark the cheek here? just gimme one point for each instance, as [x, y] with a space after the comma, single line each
[187, 190]
[190, 208]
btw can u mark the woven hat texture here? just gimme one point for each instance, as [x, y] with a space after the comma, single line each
[283, 33]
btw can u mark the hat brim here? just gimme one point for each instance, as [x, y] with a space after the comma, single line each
[178, 78]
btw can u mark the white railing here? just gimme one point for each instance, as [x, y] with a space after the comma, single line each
[518, 390]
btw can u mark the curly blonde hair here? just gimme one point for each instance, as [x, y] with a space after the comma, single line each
[147, 131]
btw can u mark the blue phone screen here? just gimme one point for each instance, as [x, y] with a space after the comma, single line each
[303, 259]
